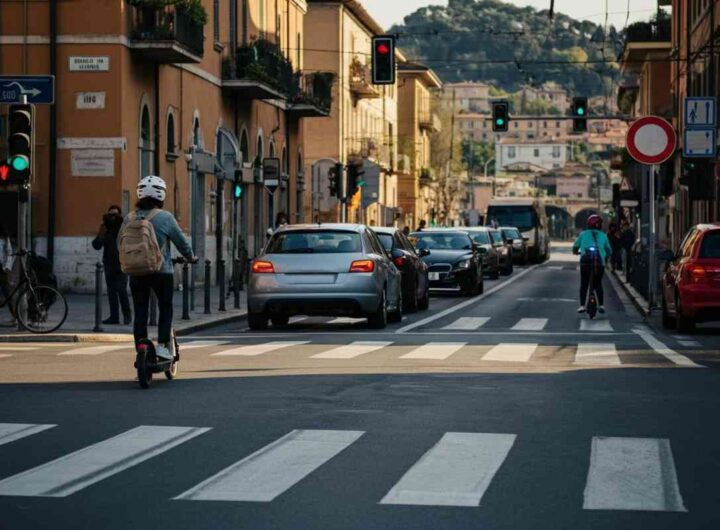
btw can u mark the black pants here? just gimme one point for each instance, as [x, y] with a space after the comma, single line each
[117, 284]
[586, 274]
[162, 286]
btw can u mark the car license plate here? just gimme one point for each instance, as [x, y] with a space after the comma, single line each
[434, 276]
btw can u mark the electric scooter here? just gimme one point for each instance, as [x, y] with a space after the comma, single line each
[147, 362]
[592, 304]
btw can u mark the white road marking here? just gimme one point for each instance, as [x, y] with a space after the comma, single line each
[689, 343]
[590, 353]
[466, 303]
[255, 350]
[347, 320]
[9, 432]
[95, 350]
[197, 344]
[663, 350]
[595, 325]
[275, 468]
[355, 349]
[566, 300]
[457, 471]
[4, 355]
[435, 350]
[19, 348]
[555, 267]
[73, 472]
[295, 320]
[530, 324]
[468, 323]
[632, 474]
[518, 353]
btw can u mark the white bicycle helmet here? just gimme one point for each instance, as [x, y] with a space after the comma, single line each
[152, 186]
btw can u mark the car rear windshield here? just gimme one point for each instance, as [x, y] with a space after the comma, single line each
[315, 242]
[481, 238]
[511, 233]
[386, 240]
[496, 236]
[442, 241]
[710, 245]
[523, 217]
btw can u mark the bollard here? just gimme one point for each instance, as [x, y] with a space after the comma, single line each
[186, 293]
[98, 297]
[221, 285]
[236, 283]
[207, 286]
[153, 309]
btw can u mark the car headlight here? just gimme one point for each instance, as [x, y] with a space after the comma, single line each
[465, 264]
[517, 244]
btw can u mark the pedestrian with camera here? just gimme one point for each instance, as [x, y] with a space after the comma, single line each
[115, 280]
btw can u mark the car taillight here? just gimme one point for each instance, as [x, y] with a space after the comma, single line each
[697, 273]
[263, 267]
[399, 261]
[362, 266]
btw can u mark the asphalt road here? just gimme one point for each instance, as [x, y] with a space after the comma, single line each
[505, 411]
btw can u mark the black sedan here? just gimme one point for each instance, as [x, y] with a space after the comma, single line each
[415, 281]
[504, 246]
[454, 261]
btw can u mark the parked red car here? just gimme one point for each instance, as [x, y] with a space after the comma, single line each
[691, 283]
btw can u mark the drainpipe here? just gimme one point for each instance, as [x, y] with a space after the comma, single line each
[52, 165]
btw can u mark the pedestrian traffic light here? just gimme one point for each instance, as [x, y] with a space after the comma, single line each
[237, 191]
[500, 116]
[580, 113]
[355, 179]
[334, 178]
[383, 60]
[20, 144]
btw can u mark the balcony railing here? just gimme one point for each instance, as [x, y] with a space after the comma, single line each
[259, 71]
[312, 94]
[427, 177]
[430, 121]
[361, 81]
[167, 35]
[659, 31]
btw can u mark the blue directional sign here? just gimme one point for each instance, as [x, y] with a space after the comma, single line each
[700, 143]
[700, 112]
[39, 89]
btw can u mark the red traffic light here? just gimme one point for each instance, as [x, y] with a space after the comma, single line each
[4, 172]
[383, 49]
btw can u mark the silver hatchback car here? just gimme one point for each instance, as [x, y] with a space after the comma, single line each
[325, 270]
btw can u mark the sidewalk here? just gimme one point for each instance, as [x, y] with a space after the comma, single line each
[638, 300]
[81, 320]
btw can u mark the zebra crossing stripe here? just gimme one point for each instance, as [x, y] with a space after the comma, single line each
[94, 350]
[632, 474]
[255, 350]
[4, 355]
[457, 471]
[530, 324]
[9, 432]
[346, 320]
[662, 349]
[350, 351]
[510, 352]
[197, 344]
[435, 350]
[468, 323]
[274, 469]
[73, 472]
[595, 325]
[590, 353]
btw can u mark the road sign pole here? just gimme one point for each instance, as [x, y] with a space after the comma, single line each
[652, 256]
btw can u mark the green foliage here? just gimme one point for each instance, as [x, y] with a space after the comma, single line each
[476, 154]
[457, 39]
[194, 8]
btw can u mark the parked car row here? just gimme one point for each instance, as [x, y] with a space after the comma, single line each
[375, 273]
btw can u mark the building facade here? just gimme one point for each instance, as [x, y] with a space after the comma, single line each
[537, 156]
[470, 97]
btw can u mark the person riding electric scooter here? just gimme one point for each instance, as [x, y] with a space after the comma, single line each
[588, 245]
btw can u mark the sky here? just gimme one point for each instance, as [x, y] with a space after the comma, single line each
[388, 12]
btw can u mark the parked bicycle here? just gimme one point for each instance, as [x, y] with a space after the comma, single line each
[38, 308]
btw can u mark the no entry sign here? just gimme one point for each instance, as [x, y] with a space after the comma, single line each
[651, 140]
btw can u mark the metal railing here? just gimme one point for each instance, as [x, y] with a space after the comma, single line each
[659, 31]
[261, 61]
[314, 88]
[168, 23]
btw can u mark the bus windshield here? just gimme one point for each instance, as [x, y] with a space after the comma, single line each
[522, 217]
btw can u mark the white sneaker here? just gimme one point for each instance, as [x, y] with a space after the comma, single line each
[581, 309]
[163, 353]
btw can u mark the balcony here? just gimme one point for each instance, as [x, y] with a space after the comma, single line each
[427, 177]
[312, 95]
[259, 71]
[430, 121]
[361, 81]
[167, 35]
[659, 31]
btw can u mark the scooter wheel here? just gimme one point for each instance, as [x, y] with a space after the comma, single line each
[144, 373]
[172, 372]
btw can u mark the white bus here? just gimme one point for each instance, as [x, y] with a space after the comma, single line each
[528, 216]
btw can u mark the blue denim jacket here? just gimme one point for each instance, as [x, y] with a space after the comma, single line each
[167, 230]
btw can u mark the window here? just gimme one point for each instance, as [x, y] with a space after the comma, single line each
[315, 242]
[196, 133]
[511, 152]
[710, 245]
[216, 20]
[544, 125]
[170, 140]
[146, 147]
[516, 125]
[556, 152]
[244, 147]
[259, 148]
[298, 54]
[536, 153]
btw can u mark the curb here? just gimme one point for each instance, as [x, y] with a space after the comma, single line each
[636, 298]
[181, 331]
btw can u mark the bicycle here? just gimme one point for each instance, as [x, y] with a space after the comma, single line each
[39, 309]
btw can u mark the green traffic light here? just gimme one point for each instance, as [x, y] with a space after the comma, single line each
[500, 122]
[581, 111]
[20, 163]
[238, 191]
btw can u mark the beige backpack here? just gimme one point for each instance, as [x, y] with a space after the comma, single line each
[140, 253]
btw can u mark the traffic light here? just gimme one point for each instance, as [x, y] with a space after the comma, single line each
[334, 178]
[500, 116]
[383, 60]
[20, 144]
[355, 179]
[237, 191]
[580, 113]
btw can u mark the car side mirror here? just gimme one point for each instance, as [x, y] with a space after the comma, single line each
[424, 252]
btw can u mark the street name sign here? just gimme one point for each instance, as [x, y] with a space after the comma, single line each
[700, 112]
[700, 143]
[89, 64]
[271, 174]
[651, 140]
[39, 89]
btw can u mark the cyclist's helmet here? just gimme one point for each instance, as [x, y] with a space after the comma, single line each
[595, 222]
[152, 186]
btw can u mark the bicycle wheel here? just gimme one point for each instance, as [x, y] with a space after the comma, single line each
[41, 309]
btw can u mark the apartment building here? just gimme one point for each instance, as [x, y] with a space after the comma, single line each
[529, 156]
[550, 93]
[362, 125]
[470, 97]
[139, 88]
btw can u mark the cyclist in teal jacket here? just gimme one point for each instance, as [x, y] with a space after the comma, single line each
[590, 269]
